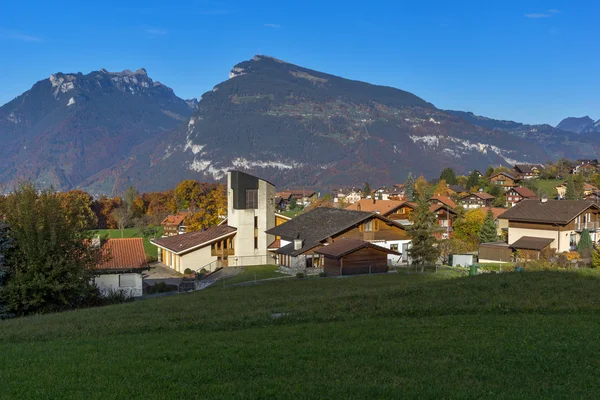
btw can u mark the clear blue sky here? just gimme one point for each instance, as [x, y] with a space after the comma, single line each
[529, 61]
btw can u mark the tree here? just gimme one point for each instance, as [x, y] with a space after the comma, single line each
[467, 229]
[488, 232]
[103, 208]
[423, 189]
[212, 208]
[187, 194]
[489, 171]
[78, 206]
[409, 187]
[574, 189]
[122, 217]
[423, 249]
[585, 246]
[441, 189]
[473, 179]
[130, 196]
[449, 176]
[50, 267]
[596, 258]
[367, 189]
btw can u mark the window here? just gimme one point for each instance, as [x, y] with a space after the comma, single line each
[251, 199]
[394, 247]
[444, 222]
[255, 222]
[369, 226]
[255, 242]
[572, 241]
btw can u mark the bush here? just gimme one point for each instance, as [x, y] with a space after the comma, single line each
[323, 274]
[116, 297]
[161, 287]
[188, 271]
[300, 275]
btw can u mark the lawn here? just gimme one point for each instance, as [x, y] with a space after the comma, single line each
[547, 186]
[416, 336]
[150, 249]
[255, 273]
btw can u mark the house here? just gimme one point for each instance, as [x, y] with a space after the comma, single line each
[504, 179]
[304, 197]
[348, 196]
[304, 234]
[174, 224]
[445, 216]
[397, 192]
[382, 193]
[457, 190]
[240, 241]
[495, 252]
[585, 169]
[123, 261]
[382, 207]
[353, 257]
[516, 194]
[282, 200]
[527, 171]
[562, 221]
[588, 189]
[402, 213]
[476, 200]
[445, 200]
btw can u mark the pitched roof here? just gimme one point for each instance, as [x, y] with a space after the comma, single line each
[505, 174]
[284, 195]
[524, 192]
[192, 240]
[527, 168]
[445, 200]
[496, 211]
[343, 247]
[531, 243]
[437, 207]
[481, 195]
[552, 211]
[317, 225]
[457, 188]
[383, 207]
[123, 255]
[175, 219]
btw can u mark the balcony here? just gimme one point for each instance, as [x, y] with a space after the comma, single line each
[590, 226]
[222, 252]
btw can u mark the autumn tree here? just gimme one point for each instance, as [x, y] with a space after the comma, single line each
[212, 209]
[122, 217]
[103, 209]
[50, 267]
[441, 189]
[423, 189]
[467, 229]
[423, 250]
[78, 208]
[130, 196]
[187, 194]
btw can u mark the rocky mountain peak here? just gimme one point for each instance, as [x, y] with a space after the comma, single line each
[576, 124]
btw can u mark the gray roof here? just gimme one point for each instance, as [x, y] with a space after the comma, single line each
[317, 225]
[551, 212]
[531, 243]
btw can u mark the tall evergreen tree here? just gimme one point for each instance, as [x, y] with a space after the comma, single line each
[473, 180]
[488, 232]
[574, 191]
[367, 189]
[409, 187]
[423, 249]
[585, 246]
[489, 171]
[449, 176]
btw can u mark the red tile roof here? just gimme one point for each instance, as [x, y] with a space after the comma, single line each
[191, 240]
[175, 219]
[445, 200]
[275, 245]
[383, 207]
[123, 255]
[342, 247]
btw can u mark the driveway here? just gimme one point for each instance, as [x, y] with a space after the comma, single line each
[161, 273]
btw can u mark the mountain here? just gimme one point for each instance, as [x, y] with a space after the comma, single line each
[300, 127]
[579, 125]
[71, 126]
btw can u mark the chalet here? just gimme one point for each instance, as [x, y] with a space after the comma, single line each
[174, 224]
[585, 169]
[123, 261]
[282, 200]
[504, 179]
[382, 207]
[304, 234]
[304, 197]
[588, 189]
[402, 213]
[239, 241]
[353, 257]
[476, 200]
[397, 192]
[445, 200]
[558, 222]
[527, 171]
[445, 219]
[383, 193]
[348, 196]
[516, 194]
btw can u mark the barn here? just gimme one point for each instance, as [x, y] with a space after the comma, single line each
[353, 257]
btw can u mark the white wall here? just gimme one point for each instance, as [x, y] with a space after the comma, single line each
[515, 234]
[393, 259]
[198, 259]
[130, 283]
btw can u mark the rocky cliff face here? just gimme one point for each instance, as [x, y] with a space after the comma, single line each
[71, 126]
[579, 125]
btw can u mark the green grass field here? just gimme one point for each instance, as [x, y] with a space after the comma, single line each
[255, 273]
[151, 250]
[547, 186]
[398, 336]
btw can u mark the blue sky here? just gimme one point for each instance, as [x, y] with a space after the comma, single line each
[529, 61]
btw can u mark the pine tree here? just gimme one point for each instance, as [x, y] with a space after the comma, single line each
[584, 247]
[488, 232]
[489, 171]
[409, 187]
[473, 180]
[423, 249]
[367, 189]
[449, 176]
[572, 192]
[596, 258]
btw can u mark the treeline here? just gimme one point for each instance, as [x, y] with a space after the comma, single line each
[206, 202]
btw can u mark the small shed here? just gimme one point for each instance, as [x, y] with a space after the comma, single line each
[495, 252]
[531, 247]
[464, 260]
[353, 257]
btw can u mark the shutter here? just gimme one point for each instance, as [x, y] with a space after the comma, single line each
[375, 224]
[361, 228]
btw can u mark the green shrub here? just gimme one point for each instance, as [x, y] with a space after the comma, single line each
[161, 287]
[300, 275]
[323, 274]
[116, 297]
[188, 271]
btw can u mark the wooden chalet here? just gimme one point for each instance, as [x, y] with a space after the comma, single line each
[516, 194]
[353, 257]
[476, 200]
[504, 180]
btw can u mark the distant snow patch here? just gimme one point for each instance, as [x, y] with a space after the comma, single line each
[195, 148]
[236, 71]
[434, 121]
[71, 102]
[244, 163]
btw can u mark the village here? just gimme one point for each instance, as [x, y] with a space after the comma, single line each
[496, 220]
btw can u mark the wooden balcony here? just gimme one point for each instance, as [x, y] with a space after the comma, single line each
[222, 252]
[590, 226]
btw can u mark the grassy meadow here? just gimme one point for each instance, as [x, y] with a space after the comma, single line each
[409, 336]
